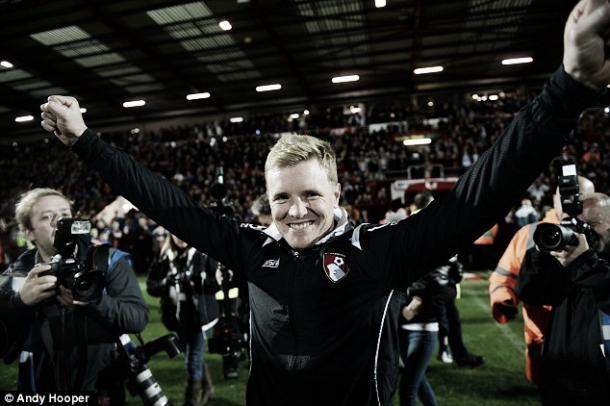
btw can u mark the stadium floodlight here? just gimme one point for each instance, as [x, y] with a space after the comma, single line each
[23, 119]
[134, 103]
[493, 97]
[380, 3]
[225, 25]
[416, 141]
[517, 61]
[196, 96]
[6, 64]
[268, 88]
[428, 69]
[83, 110]
[344, 79]
[236, 119]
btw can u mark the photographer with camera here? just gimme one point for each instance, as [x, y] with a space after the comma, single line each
[574, 277]
[503, 279]
[184, 278]
[319, 289]
[70, 301]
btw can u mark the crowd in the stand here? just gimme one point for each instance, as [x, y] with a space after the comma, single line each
[369, 158]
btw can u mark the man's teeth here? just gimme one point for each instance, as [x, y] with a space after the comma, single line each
[301, 226]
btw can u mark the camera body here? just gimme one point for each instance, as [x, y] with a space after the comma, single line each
[555, 237]
[73, 263]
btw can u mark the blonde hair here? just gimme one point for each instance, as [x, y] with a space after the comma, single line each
[292, 149]
[23, 208]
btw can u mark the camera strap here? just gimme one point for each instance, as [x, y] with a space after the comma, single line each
[97, 259]
[104, 258]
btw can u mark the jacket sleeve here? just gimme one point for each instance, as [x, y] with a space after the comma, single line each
[503, 279]
[417, 288]
[456, 270]
[210, 286]
[122, 308]
[486, 191]
[15, 320]
[207, 231]
[542, 280]
[156, 281]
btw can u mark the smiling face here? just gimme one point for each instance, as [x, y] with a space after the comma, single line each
[302, 200]
[43, 220]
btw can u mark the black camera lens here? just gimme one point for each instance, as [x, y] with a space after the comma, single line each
[83, 284]
[553, 237]
[88, 286]
[550, 237]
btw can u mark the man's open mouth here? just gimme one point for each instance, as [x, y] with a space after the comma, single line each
[301, 226]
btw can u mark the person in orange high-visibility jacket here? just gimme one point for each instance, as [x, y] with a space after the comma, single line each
[504, 278]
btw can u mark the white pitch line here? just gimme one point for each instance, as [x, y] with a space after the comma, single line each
[505, 330]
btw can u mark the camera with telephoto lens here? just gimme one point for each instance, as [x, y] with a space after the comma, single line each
[555, 237]
[72, 265]
[227, 338]
[140, 380]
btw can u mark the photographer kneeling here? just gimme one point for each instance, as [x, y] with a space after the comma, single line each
[576, 281]
[69, 302]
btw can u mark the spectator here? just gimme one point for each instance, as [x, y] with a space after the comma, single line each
[184, 279]
[525, 214]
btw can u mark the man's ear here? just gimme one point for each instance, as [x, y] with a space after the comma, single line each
[29, 235]
[337, 194]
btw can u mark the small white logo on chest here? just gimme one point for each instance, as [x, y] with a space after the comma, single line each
[271, 263]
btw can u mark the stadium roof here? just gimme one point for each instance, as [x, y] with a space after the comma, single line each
[108, 52]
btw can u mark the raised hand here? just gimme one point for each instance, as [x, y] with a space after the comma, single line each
[61, 115]
[584, 40]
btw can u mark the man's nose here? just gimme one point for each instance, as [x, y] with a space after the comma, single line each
[298, 209]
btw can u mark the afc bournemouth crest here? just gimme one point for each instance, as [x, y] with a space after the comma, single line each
[335, 266]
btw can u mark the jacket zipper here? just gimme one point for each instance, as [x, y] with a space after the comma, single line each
[291, 306]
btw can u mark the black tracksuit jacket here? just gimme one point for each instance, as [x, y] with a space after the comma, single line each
[319, 342]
